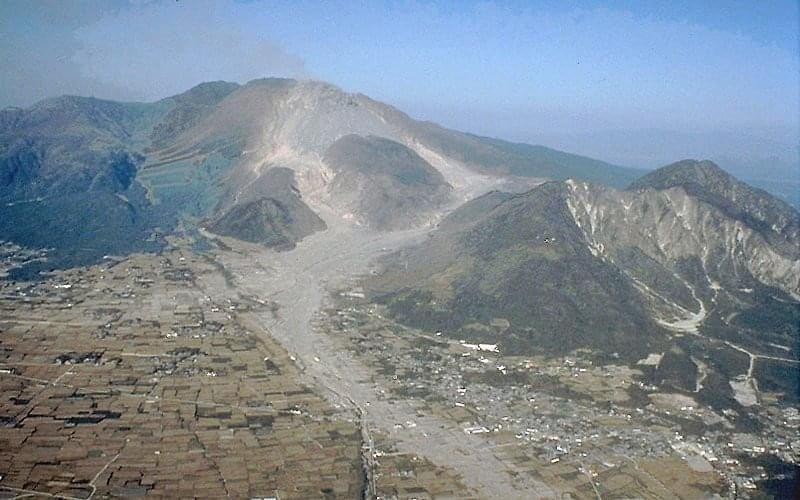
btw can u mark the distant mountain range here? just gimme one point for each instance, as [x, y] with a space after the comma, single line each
[87, 177]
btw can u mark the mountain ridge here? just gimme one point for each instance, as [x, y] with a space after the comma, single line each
[199, 153]
[569, 266]
[629, 229]
[710, 183]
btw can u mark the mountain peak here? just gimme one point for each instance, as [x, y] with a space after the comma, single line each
[206, 92]
[270, 81]
[701, 172]
[706, 181]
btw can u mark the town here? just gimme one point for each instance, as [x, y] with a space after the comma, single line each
[592, 428]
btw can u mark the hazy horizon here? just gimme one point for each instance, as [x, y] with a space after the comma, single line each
[631, 84]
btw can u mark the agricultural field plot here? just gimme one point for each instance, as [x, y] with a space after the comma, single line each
[124, 379]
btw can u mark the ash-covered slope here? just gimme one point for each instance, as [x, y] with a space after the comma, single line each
[277, 217]
[200, 154]
[571, 264]
[303, 125]
[387, 184]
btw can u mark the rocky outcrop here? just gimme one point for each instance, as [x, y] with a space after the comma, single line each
[574, 264]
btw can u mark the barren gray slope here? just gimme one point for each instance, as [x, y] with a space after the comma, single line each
[294, 124]
[274, 217]
[384, 182]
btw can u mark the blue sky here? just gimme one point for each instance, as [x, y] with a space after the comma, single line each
[584, 76]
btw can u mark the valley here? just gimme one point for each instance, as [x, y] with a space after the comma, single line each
[284, 290]
[298, 282]
[499, 424]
